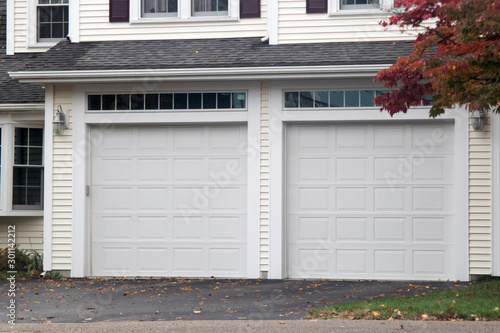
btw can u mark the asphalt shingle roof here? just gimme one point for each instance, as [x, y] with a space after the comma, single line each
[212, 53]
[11, 91]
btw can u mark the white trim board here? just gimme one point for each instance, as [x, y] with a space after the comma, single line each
[10, 27]
[47, 189]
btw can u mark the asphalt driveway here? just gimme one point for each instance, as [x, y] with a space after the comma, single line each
[94, 300]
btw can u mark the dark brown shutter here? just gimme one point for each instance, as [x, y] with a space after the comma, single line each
[316, 6]
[119, 10]
[249, 8]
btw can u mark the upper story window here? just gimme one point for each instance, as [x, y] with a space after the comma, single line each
[210, 7]
[359, 4]
[171, 10]
[52, 20]
[349, 6]
[155, 8]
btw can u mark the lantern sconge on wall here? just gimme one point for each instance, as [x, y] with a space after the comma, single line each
[59, 122]
[478, 120]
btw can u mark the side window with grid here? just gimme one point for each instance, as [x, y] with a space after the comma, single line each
[27, 190]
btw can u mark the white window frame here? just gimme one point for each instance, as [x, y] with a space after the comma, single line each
[184, 13]
[32, 26]
[335, 8]
[7, 172]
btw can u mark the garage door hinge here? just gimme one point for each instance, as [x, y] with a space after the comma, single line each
[87, 190]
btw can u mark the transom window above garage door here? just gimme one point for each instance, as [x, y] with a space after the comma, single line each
[168, 101]
[332, 99]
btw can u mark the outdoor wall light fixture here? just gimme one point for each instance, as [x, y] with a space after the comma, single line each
[478, 120]
[59, 121]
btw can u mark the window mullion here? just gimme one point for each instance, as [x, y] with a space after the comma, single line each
[185, 9]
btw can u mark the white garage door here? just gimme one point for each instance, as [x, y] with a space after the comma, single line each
[169, 201]
[371, 201]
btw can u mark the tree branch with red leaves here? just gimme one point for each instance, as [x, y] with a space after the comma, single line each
[455, 58]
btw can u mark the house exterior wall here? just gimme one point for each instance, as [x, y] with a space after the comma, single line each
[480, 191]
[296, 26]
[29, 232]
[62, 178]
[95, 26]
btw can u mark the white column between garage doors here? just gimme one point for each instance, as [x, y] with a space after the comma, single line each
[83, 122]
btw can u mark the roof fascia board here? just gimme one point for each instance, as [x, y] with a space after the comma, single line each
[216, 74]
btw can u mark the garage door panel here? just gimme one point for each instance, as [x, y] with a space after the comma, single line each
[188, 140]
[172, 204]
[391, 229]
[391, 138]
[227, 171]
[430, 139]
[226, 140]
[352, 230]
[152, 228]
[349, 169]
[368, 204]
[112, 142]
[227, 229]
[352, 139]
[152, 170]
[310, 140]
[150, 141]
[113, 199]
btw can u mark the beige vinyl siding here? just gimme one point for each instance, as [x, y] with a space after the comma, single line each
[264, 177]
[20, 21]
[296, 26]
[480, 201]
[62, 170]
[29, 232]
[95, 26]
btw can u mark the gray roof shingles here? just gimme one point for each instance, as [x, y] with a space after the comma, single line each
[11, 91]
[212, 53]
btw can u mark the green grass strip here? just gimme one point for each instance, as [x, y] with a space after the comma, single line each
[477, 302]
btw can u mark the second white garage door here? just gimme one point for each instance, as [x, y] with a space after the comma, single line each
[168, 201]
[371, 201]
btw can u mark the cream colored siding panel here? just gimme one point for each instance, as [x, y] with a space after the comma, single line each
[296, 26]
[480, 233]
[29, 232]
[480, 223]
[20, 25]
[264, 178]
[480, 271]
[94, 26]
[62, 185]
